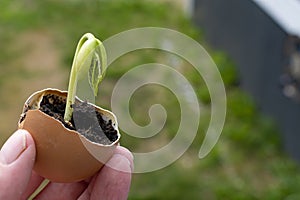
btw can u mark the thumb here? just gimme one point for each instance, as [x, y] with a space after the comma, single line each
[16, 162]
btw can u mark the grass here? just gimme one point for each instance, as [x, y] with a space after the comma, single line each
[248, 161]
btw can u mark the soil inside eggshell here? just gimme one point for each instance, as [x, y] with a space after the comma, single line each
[89, 118]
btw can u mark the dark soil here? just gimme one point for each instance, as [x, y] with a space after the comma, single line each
[89, 121]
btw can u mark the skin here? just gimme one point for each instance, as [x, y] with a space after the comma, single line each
[19, 181]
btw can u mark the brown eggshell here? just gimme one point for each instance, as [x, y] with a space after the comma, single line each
[63, 155]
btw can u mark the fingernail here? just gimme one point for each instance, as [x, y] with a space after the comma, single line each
[13, 147]
[120, 163]
[125, 152]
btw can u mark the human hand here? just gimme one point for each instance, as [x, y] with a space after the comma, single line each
[18, 181]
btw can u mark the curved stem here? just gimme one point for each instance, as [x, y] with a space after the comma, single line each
[86, 52]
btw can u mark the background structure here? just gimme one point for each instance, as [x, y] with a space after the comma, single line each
[263, 39]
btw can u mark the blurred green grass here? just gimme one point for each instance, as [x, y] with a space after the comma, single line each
[248, 161]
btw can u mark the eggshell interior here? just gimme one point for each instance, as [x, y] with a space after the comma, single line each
[63, 155]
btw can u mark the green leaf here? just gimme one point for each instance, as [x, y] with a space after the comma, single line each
[95, 73]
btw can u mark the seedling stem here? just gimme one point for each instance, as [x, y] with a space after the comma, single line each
[90, 56]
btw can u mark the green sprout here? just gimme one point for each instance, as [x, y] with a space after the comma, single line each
[90, 56]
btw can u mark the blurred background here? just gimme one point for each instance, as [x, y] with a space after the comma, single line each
[256, 155]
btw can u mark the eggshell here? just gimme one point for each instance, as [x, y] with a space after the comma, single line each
[63, 155]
